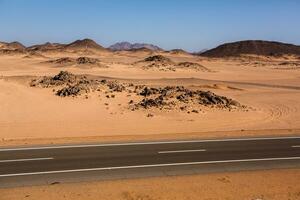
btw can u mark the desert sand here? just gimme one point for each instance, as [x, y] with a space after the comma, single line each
[269, 91]
[76, 96]
[256, 185]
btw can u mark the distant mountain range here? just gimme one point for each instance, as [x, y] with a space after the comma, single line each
[126, 46]
[254, 47]
[76, 45]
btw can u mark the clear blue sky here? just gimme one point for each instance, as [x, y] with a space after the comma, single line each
[189, 24]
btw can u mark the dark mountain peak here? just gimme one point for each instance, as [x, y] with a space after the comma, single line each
[17, 45]
[255, 47]
[85, 44]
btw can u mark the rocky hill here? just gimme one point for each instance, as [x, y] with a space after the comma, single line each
[12, 46]
[84, 44]
[46, 47]
[254, 47]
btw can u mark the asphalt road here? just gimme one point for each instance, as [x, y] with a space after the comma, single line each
[54, 164]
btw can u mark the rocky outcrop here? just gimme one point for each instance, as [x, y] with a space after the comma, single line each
[177, 98]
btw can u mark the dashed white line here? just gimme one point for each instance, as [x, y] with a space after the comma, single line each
[25, 160]
[182, 151]
[296, 146]
[145, 143]
[148, 166]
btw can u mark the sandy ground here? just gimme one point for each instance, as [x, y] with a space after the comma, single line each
[34, 114]
[256, 185]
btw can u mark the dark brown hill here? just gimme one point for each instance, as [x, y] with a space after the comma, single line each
[12, 46]
[254, 47]
[84, 44]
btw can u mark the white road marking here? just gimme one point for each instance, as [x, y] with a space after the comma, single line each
[182, 151]
[24, 160]
[148, 166]
[144, 143]
[296, 146]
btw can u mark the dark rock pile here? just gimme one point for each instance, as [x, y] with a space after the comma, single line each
[73, 90]
[115, 86]
[86, 60]
[72, 85]
[60, 79]
[168, 98]
[158, 58]
[191, 65]
[171, 97]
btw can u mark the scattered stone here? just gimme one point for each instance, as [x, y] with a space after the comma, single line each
[103, 81]
[54, 183]
[149, 91]
[183, 108]
[150, 115]
[115, 86]
[73, 90]
[131, 102]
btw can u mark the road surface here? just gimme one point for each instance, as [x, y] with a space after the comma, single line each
[54, 164]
